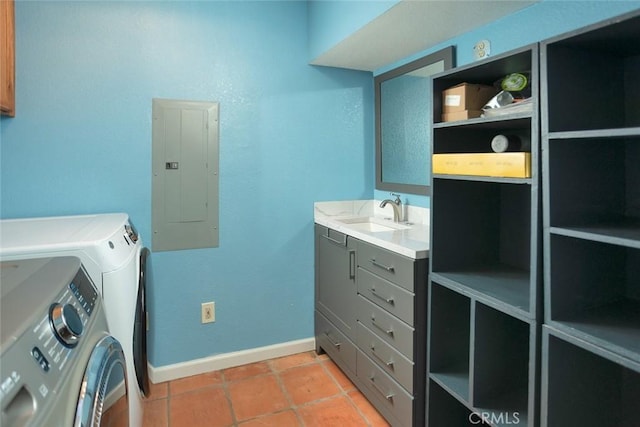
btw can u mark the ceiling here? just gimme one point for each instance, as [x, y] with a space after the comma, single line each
[412, 26]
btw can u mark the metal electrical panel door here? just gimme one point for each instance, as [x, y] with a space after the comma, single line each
[185, 175]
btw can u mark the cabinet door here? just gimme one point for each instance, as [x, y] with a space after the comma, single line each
[7, 55]
[335, 278]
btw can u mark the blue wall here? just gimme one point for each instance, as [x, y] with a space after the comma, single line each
[290, 134]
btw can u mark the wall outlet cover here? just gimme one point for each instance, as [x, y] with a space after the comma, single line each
[482, 49]
[208, 312]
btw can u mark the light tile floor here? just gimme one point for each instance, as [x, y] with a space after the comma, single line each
[303, 390]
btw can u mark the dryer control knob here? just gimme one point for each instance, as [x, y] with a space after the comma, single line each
[131, 232]
[66, 323]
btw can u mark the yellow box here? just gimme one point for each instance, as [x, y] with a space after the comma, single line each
[507, 165]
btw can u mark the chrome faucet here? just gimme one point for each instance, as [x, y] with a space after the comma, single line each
[396, 205]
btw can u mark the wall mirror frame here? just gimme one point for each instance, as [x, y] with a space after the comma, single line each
[402, 118]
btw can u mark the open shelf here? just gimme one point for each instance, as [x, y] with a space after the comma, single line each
[495, 382]
[497, 122]
[517, 414]
[596, 133]
[623, 232]
[456, 383]
[484, 239]
[487, 73]
[498, 180]
[477, 138]
[501, 362]
[591, 77]
[594, 291]
[449, 340]
[594, 187]
[497, 282]
[614, 324]
[586, 386]
[445, 410]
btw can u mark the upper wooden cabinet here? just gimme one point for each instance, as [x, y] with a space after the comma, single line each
[7, 58]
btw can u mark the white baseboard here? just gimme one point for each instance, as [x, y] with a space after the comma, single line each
[228, 360]
[114, 395]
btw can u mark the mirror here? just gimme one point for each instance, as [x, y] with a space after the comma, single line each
[403, 103]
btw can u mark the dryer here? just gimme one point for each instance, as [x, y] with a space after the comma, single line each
[114, 257]
[58, 364]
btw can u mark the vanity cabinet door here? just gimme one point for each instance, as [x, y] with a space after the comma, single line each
[7, 58]
[336, 278]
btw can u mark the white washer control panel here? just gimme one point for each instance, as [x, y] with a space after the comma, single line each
[35, 365]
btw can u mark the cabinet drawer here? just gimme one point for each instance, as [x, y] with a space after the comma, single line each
[388, 327]
[394, 299]
[386, 357]
[383, 390]
[393, 267]
[335, 343]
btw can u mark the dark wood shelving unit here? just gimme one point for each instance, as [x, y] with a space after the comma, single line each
[485, 269]
[590, 116]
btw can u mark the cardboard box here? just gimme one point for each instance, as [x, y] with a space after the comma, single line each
[506, 165]
[466, 96]
[461, 115]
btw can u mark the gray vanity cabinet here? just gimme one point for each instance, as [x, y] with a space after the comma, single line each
[335, 294]
[370, 318]
[391, 332]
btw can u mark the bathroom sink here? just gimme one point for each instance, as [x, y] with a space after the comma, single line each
[372, 224]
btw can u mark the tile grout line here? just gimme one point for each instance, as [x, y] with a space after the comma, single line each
[168, 404]
[342, 391]
[276, 374]
[222, 386]
[227, 395]
[345, 392]
[292, 404]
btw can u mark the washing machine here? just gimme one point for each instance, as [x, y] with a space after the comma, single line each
[115, 259]
[59, 366]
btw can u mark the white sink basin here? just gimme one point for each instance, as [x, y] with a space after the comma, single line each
[372, 224]
[371, 227]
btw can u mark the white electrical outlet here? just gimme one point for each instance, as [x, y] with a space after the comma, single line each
[208, 312]
[482, 49]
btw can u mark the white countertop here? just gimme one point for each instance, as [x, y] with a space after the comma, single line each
[412, 242]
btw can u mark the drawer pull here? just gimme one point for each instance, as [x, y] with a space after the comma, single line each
[335, 344]
[352, 265]
[377, 356]
[386, 331]
[384, 267]
[337, 242]
[389, 396]
[377, 295]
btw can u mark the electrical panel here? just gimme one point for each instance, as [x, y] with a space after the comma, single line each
[185, 158]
